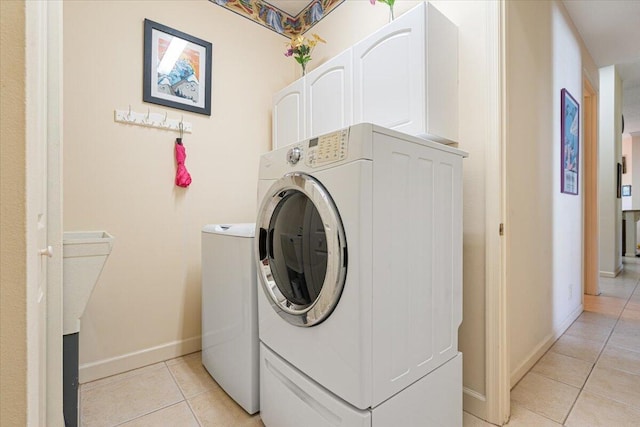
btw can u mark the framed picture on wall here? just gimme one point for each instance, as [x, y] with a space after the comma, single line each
[619, 182]
[177, 69]
[626, 190]
[570, 146]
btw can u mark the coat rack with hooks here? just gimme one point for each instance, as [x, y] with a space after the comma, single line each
[153, 120]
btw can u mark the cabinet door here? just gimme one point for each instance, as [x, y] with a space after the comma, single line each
[389, 75]
[329, 95]
[288, 115]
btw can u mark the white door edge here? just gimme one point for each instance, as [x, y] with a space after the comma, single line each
[497, 224]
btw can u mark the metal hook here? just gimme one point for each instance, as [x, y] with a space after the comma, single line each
[129, 114]
[148, 113]
[181, 128]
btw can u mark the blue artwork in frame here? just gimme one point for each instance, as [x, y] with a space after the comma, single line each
[177, 69]
[570, 143]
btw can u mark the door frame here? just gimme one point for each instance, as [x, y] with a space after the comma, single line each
[494, 405]
[497, 378]
[44, 82]
[54, 112]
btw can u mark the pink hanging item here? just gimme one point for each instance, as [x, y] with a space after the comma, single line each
[183, 179]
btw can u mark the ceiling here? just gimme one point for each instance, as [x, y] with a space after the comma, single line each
[292, 7]
[611, 31]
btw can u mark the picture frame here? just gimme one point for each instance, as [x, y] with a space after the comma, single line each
[570, 143]
[626, 190]
[619, 181]
[177, 69]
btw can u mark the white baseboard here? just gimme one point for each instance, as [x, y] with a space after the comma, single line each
[474, 403]
[612, 274]
[541, 349]
[126, 362]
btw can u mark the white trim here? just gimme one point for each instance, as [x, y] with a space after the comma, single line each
[137, 359]
[54, 212]
[612, 274]
[542, 348]
[608, 274]
[497, 399]
[36, 141]
[474, 403]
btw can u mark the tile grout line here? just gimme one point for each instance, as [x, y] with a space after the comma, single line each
[175, 380]
[148, 413]
[83, 389]
[550, 350]
[599, 355]
[163, 407]
[534, 412]
[194, 414]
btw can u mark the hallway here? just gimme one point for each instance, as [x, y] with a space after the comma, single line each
[591, 375]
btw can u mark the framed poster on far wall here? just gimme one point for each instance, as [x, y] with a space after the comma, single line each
[177, 69]
[570, 142]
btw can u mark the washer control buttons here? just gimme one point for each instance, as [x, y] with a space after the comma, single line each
[328, 148]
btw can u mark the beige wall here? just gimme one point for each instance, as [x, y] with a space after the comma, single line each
[120, 178]
[13, 319]
[544, 226]
[475, 119]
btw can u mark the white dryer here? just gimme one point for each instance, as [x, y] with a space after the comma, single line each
[359, 256]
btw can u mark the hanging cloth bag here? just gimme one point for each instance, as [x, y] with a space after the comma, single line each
[183, 179]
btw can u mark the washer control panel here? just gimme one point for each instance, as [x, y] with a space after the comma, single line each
[327, 148]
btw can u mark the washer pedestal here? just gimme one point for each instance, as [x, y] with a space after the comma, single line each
[434, 400]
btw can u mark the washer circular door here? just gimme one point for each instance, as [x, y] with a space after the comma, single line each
[301, 250]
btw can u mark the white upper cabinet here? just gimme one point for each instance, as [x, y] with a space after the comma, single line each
[388, 69]
[329, 95]
[288, 115]
[404, 77]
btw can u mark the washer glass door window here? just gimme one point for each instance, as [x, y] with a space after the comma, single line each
[298, 249]
[302, 263]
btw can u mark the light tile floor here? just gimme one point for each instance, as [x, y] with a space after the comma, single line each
[590, 377]
[175, 393]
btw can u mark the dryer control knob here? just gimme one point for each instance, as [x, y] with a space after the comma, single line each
[293, 155]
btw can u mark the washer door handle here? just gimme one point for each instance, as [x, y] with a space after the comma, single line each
[262, 244]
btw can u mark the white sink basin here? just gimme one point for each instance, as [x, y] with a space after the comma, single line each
[84, 255]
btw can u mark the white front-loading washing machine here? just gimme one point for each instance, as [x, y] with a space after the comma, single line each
[359, 256]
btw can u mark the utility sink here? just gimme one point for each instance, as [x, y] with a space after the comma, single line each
[84, 255]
